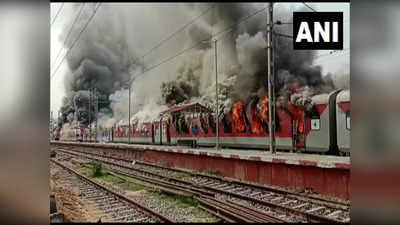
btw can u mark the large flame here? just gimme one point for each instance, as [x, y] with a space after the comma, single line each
[264, 110]
[301, 126]
[256, 122]
[299, 118]
[238, 117]
[297, 113]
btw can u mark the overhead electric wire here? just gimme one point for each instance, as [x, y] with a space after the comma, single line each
[179, 30]
[332, 53]
[244, 19]
[76, 40]
[283, 35]
[202, 41]
[309, 7]
[213, 36]
[333, 57]
[58, 12]
[229, 28]
[70, 31]
[187, 49]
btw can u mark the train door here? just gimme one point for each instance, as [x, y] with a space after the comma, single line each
[152, 133]
[301, 138]
[168, 133]
[112, 134]
[157, 133]
[298, 133]
[165, 137]
[162, 130]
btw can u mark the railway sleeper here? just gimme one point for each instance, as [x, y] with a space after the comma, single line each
[217, 209]
[315, 209]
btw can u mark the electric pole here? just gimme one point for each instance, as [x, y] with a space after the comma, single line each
[216, 96]
[129, 117]
[271, 100]
[275, 75]
[96, 111]
[90, 122]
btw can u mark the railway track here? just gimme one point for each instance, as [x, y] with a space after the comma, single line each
[345, 205]
[113, 206]
[233, 212]
[226, 210]
[273, 202]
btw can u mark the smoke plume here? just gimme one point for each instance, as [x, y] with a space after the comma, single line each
[107, 56]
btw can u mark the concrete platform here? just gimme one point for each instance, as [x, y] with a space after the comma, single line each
[326, 175]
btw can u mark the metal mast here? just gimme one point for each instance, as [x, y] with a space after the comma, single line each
[216, 96]
[96, 111]
[129, 117]
[90, 105]
[271, 99]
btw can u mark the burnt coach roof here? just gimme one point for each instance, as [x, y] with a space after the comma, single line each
[320, 99]
[187, 108]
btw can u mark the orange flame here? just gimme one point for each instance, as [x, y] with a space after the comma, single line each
[297, 113]
[238, 118]
[264, 109]
[256, 122]
[299, 118]
[301, 125]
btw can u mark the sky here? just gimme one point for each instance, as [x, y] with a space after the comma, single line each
[337, 63]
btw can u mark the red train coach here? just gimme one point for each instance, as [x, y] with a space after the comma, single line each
[242, 126]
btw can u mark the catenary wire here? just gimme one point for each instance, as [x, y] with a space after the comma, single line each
[70, 31]
[76, 40]
[58, 12]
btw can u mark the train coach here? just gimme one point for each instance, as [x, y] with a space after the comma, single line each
[343, 122]
[325, 129]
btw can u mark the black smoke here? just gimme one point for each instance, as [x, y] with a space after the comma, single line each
[101, 59]
[104, 59]
[249, 42]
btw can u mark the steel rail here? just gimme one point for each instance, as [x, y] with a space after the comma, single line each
[231, 211]
[308, 216]
[142, 208]
[345, 205]
[314, 199]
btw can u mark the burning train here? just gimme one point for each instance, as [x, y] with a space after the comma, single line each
[322, 127]
[105, 59]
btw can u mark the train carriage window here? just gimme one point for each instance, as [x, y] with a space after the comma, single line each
[315, 123]
[226, 124]
[348, 120]
[203, 123]
[211, 122]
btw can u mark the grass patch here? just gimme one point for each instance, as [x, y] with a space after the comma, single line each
[177, 200]
[179, 175]
[214, 219]
[104, 175]
[97, 170]
[108, 178]
[101, 173]
[85, 171]
[133, 186]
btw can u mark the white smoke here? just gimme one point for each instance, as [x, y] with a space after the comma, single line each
[111, 49]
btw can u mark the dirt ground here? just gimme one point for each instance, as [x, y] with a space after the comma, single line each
[69, 203]
[77, 209]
